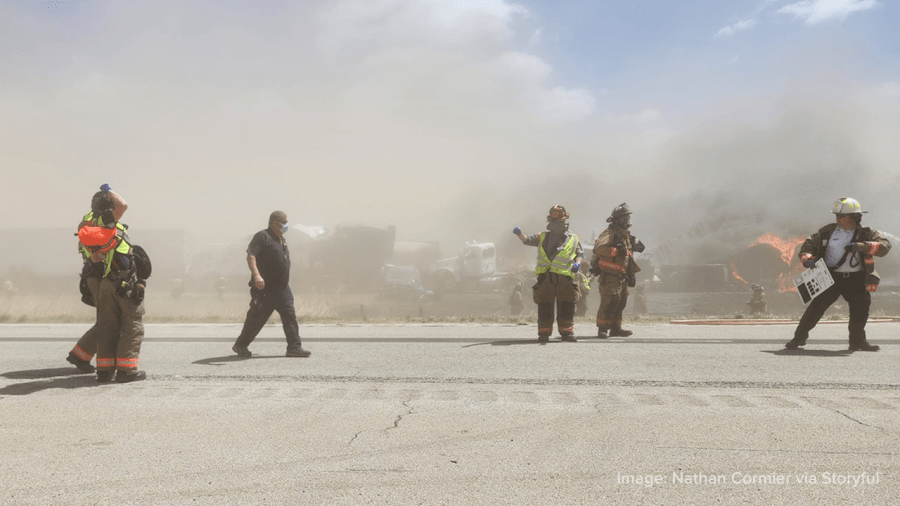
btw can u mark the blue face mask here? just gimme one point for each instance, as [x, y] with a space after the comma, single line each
[284, 228]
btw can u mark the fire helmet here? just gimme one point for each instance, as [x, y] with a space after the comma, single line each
[557, 213]
[620, 210]
[847, 205]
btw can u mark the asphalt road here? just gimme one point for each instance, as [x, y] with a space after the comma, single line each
[455, 414]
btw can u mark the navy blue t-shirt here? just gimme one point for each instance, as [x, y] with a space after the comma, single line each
[272, 259]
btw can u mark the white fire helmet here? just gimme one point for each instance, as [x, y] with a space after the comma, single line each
[847, 205]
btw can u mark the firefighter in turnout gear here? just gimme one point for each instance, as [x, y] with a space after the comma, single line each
[120, 310]
[107, 208]
[849, 250]
[122, 271]
[558, 260]
[613, 264]
[758, 300]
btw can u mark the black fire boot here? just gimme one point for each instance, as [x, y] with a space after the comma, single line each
[618, 331]
[863, 346]
[82, 365]
[601, 332]
[128, 378]
[569, 337]
[105, 376]
[543, 338]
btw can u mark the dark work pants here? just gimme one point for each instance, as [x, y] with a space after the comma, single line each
[853, 289]
[262, 304]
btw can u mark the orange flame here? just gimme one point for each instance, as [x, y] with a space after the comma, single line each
[786, 247]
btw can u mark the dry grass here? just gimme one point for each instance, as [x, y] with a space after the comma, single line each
[207, 308]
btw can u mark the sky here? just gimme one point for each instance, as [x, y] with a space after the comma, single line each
[451, 120]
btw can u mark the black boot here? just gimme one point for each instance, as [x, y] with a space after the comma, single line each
[796, 342]
[543, 338]
[128, 378]
[601, 332]
[82, 365]
[864, 346]
[105, 376]
[618, 331]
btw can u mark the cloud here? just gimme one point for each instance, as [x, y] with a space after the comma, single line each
[740, 26]
[819, 11]
[429, 22]
[528, 73]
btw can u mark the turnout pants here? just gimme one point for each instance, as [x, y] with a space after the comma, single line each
[852, 287]
[613, 297]
[559, 291]
[262, 304]
[120, 329]
[86, 347]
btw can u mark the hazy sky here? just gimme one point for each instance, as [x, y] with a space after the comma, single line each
[452, 120]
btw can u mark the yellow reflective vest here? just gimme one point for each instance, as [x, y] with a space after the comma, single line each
[561, 263]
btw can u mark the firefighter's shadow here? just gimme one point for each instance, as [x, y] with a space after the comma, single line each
[809, 353]
[520, 342]
[63, 378]
[231, 358]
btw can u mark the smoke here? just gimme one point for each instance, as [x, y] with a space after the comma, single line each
[441, 118]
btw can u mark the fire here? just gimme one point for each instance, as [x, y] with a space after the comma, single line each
[786, 247]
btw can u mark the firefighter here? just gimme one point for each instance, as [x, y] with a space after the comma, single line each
[120, 312]
[758, 300]
[107, 208]
[558, 260]
[849, 250]
[640, 300]
[516, 302]
[584, 288]
[614, 265]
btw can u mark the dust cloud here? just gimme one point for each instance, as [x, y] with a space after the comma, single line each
[440, 118]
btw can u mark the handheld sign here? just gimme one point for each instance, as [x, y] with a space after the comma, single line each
[811, 282]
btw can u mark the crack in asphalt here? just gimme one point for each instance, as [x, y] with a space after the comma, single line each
[409, 411]
[857, 421]
[352, 439]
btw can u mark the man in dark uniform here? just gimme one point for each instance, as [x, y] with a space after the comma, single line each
[559, 258]
[848, 249]
[270, 267]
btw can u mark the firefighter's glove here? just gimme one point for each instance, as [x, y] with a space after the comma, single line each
[517, 231]
[595, 270]
[809, 263]
[105, 188]
[137, 294]
[853, 247]
[637, 245]
[576, 267]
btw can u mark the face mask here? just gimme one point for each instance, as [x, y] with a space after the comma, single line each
[284, 228]
[625, 222]
[557, 227]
